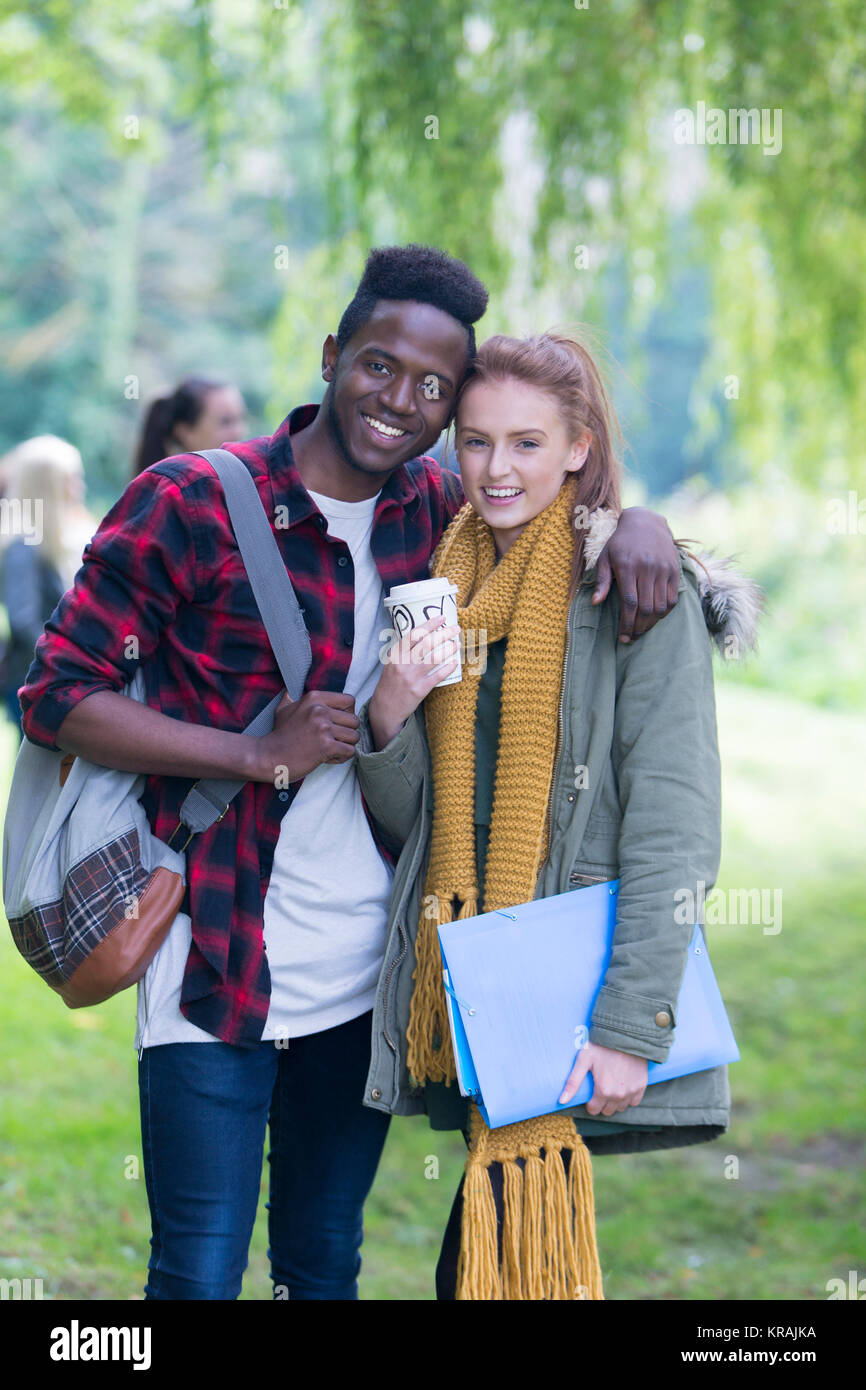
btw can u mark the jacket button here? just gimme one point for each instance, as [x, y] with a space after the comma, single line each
[375, 1094]
[284, 796]
[663, 1018]
[342, 560]
[570, 796]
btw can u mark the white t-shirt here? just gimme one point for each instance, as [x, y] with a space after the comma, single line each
[326, 908]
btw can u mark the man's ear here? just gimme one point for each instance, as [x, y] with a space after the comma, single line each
[330, 353]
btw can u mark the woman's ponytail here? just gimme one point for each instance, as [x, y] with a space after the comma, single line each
[184, 406]
[154, 435]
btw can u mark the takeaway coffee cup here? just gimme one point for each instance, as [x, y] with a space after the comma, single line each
[410, 605]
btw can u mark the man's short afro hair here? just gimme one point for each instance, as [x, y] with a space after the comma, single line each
[423, 273]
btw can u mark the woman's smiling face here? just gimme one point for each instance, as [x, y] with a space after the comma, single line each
[514, 452]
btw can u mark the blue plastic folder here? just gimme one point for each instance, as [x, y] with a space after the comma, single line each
[521, 985]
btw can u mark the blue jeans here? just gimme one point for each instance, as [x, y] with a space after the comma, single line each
[204, 1108]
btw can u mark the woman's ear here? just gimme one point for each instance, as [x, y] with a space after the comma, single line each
[184, 434]
[579, 451]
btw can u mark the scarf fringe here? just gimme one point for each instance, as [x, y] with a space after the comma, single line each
[428, 1019]
[512, 1275]
[581, 1202]
[478, 1274]
[548, 1246]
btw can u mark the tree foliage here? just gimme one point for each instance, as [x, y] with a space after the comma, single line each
[784, 236]
[512, 132]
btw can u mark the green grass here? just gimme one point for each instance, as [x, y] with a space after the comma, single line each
[674, 1225]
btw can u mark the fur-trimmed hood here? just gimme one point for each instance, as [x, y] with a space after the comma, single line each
[732, 602]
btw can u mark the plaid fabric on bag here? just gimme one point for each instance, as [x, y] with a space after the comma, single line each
[56, 937]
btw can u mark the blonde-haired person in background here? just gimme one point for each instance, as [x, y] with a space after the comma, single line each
[45, 527]
[536, 442]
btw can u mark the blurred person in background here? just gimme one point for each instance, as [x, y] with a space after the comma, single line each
[201, 413]
[46, 526]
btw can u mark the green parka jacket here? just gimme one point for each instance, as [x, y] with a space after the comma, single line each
[638, 725]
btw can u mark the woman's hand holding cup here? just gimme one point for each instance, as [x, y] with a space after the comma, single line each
[414, 663]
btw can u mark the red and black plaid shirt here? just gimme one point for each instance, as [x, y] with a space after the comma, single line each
[164, 567]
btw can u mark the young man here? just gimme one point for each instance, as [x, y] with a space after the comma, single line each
[258, 1008]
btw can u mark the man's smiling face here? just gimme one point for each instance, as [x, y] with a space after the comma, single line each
[392, 386]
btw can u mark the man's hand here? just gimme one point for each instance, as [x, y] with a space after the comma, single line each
[618, 1079]
[642, 558]
[320, 727]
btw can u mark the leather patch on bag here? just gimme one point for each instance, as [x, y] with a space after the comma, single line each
[122, 957]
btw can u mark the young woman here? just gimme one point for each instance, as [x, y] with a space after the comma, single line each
[200, 413]
[564, 759]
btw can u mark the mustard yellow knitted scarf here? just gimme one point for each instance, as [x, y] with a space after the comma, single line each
[547, 1248]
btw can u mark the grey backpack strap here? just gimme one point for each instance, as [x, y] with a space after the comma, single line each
[208, 800]
[268, 575]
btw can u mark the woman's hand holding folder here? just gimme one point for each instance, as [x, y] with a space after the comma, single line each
[619, 1079]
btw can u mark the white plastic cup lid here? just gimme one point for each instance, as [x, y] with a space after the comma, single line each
[420, 590]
